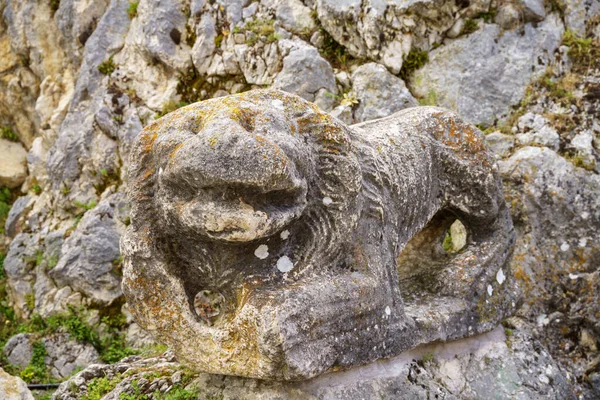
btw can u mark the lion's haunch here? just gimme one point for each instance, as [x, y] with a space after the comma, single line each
[270, 240]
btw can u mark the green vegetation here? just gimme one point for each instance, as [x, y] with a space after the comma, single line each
[36, 188]
[487, 17]
[430, 99]
[260, 27]
[470, 26]
[54, 4]
[91, 204]
[36, 371]
[580, 160]
[98, 387]
[6, 199]
[171, 106]
[447, 244]
[7, 133]
[428, 356]
[107, 67]
[414, 60]
[580, 49]
[132, 9]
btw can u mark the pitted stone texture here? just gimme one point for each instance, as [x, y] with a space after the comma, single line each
[556, 210]
[306, 74]
[13, 388]
[18, 350]
[64, 355]
[90, 254]
[379, 93]
[464, 369]
[482, 75]
[270, 240]
[13, 168]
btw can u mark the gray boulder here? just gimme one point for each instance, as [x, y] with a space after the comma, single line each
[307, 74]
[65, 355]
[13, 169]
[483, 74]
[91, 252]
[379, 92]
[13, 388]
[18, 350]
[556, 209]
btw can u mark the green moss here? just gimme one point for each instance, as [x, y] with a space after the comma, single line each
[36, 371]
[272, 38]
[487, 17]
[580, 161]
[218, 40]
[7, 133]
[470, 26]
[508, 332]
[37, 189]
[51, 261]
[86, 207]
[132, 9]
[54, 4]
[30, 301]
[447, 244]
[579, 48]
[107, 67]
[99, 387]
[430, 99]
[428, 356]
[414, 60]
[260, 26]
[171, 106]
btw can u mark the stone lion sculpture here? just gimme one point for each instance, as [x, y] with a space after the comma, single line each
[269, 240]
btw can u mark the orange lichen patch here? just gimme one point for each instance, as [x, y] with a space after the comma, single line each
[147, 141]
[462, 137]
[174, 152]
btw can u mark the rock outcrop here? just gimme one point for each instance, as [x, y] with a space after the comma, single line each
[80, 80]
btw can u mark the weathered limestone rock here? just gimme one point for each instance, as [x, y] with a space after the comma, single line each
[306, 74]
[270, 240]
[556, 211]
[63, 355]
[18, 350]
[13, 388]
[90, 255]
[13, 168]
[379, 93]
[481, 75]
[464, 369]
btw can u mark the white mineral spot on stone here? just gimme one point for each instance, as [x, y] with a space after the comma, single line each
[278, 104]
[262, 251]
[284, 264]
[500, 276]
[285, 234]
[388, 310]
[585, 215]
[327, 200]
[543, 320]
[490, 290]
[160, 171]
[582, 242]
[564, 247]
[544, 379]
[573, 276]
[458, 233]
